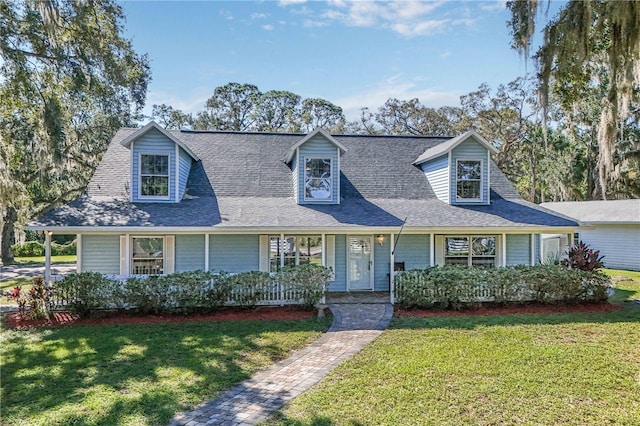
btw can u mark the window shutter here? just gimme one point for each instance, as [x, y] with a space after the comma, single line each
[123, 255]
[439, 239]
[330, 255]
[169, 254]
[264, 253]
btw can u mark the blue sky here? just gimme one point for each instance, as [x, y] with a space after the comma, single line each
[354, 54]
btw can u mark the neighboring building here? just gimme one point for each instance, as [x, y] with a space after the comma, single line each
[164, 201]
[615, 229]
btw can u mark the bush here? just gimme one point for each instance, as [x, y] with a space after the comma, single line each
[87, 292]
[451, 287]
[28, 249]
[36, 248]
[308, 282]
[150, 295]
[37, 302]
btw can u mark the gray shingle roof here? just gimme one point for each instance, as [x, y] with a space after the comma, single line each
[600, 211]
[242, 181]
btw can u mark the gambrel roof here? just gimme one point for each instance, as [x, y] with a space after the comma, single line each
[240, 181]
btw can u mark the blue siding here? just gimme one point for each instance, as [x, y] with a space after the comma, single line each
[153, 142]
[413, 250]
[101, 253]
[381, 264]
[185, 168]
[518, 249]
[340, 284]
[189, 252]
[470, 150]
[437, 173]
[234, 253]
[318, 147]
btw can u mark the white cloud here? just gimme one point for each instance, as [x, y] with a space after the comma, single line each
[407, 18]
[258, 15]
[493, 7]
[285, 3]
[268, 27]
[192, 103]
[226, 14]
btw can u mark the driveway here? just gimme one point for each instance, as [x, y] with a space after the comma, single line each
[10, 272]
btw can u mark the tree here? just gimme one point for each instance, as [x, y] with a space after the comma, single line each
[69, 81]
[316, 112]
[277, 111]
[588, 43]
[169, 118]
[412, 118]
[230, 108]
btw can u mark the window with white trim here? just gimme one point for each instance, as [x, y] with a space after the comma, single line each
[147, 255]
[470, 250]
[154, 175]
[298, 250]
[468, 180]
[317, 179]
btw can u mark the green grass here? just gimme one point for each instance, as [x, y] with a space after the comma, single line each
[135, 374]
[39, 260]
[627, 284]
[560, 369]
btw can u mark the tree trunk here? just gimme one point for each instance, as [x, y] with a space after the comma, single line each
[8, 235]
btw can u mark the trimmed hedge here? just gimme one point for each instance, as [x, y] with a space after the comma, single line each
[454, 287]
[188, 292]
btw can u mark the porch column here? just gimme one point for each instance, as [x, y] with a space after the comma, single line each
[206, 252]
[323, 246]
[532, 248]
[392, 249]
[504, 249]
[432, 250]
[78, 253]
[47, 257]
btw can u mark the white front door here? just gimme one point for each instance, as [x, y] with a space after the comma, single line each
[360, 263]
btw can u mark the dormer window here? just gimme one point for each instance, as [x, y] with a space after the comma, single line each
[468, 180]
[154, 176]
[317, 179]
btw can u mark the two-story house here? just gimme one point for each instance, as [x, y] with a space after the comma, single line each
[164, 201]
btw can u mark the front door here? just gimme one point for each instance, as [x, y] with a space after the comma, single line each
[360, 273]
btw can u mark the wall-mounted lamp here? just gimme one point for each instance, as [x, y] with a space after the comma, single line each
[380, 239]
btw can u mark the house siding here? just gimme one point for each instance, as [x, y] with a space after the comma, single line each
[518, 249]
[295, 178]
[413, 250]
[184, 170]
[153, 142]
[101, 253]
[340, 283]
[234, 253]
[318, 147]
[437, 173]
[381, 264]
[470, 150]
[619, 244]
[189, 252]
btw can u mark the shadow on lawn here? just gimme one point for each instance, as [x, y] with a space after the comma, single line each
[628, 313]
[278, 418]
[146, 373]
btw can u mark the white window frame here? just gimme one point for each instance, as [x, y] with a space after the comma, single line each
[168, 176]
[164, 252]
[481, 181]
[304, 179]
[281, 257]
[470, 255]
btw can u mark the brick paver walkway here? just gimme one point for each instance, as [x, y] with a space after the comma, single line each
[354, 326]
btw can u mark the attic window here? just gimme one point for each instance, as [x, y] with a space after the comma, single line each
[468, 180]
[317, 179]
[154, 175]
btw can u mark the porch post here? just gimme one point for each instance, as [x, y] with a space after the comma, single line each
[323, 243]
[432, 250]
[78, 253]
[504, 249]
[206, 252]
[47, 257]
[392, 249]
[532, 245]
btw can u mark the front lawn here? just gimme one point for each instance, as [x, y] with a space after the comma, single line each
[554, 369]
[135, 374]
[39, 260]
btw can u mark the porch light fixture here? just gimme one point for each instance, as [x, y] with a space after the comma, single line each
[380, 239]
